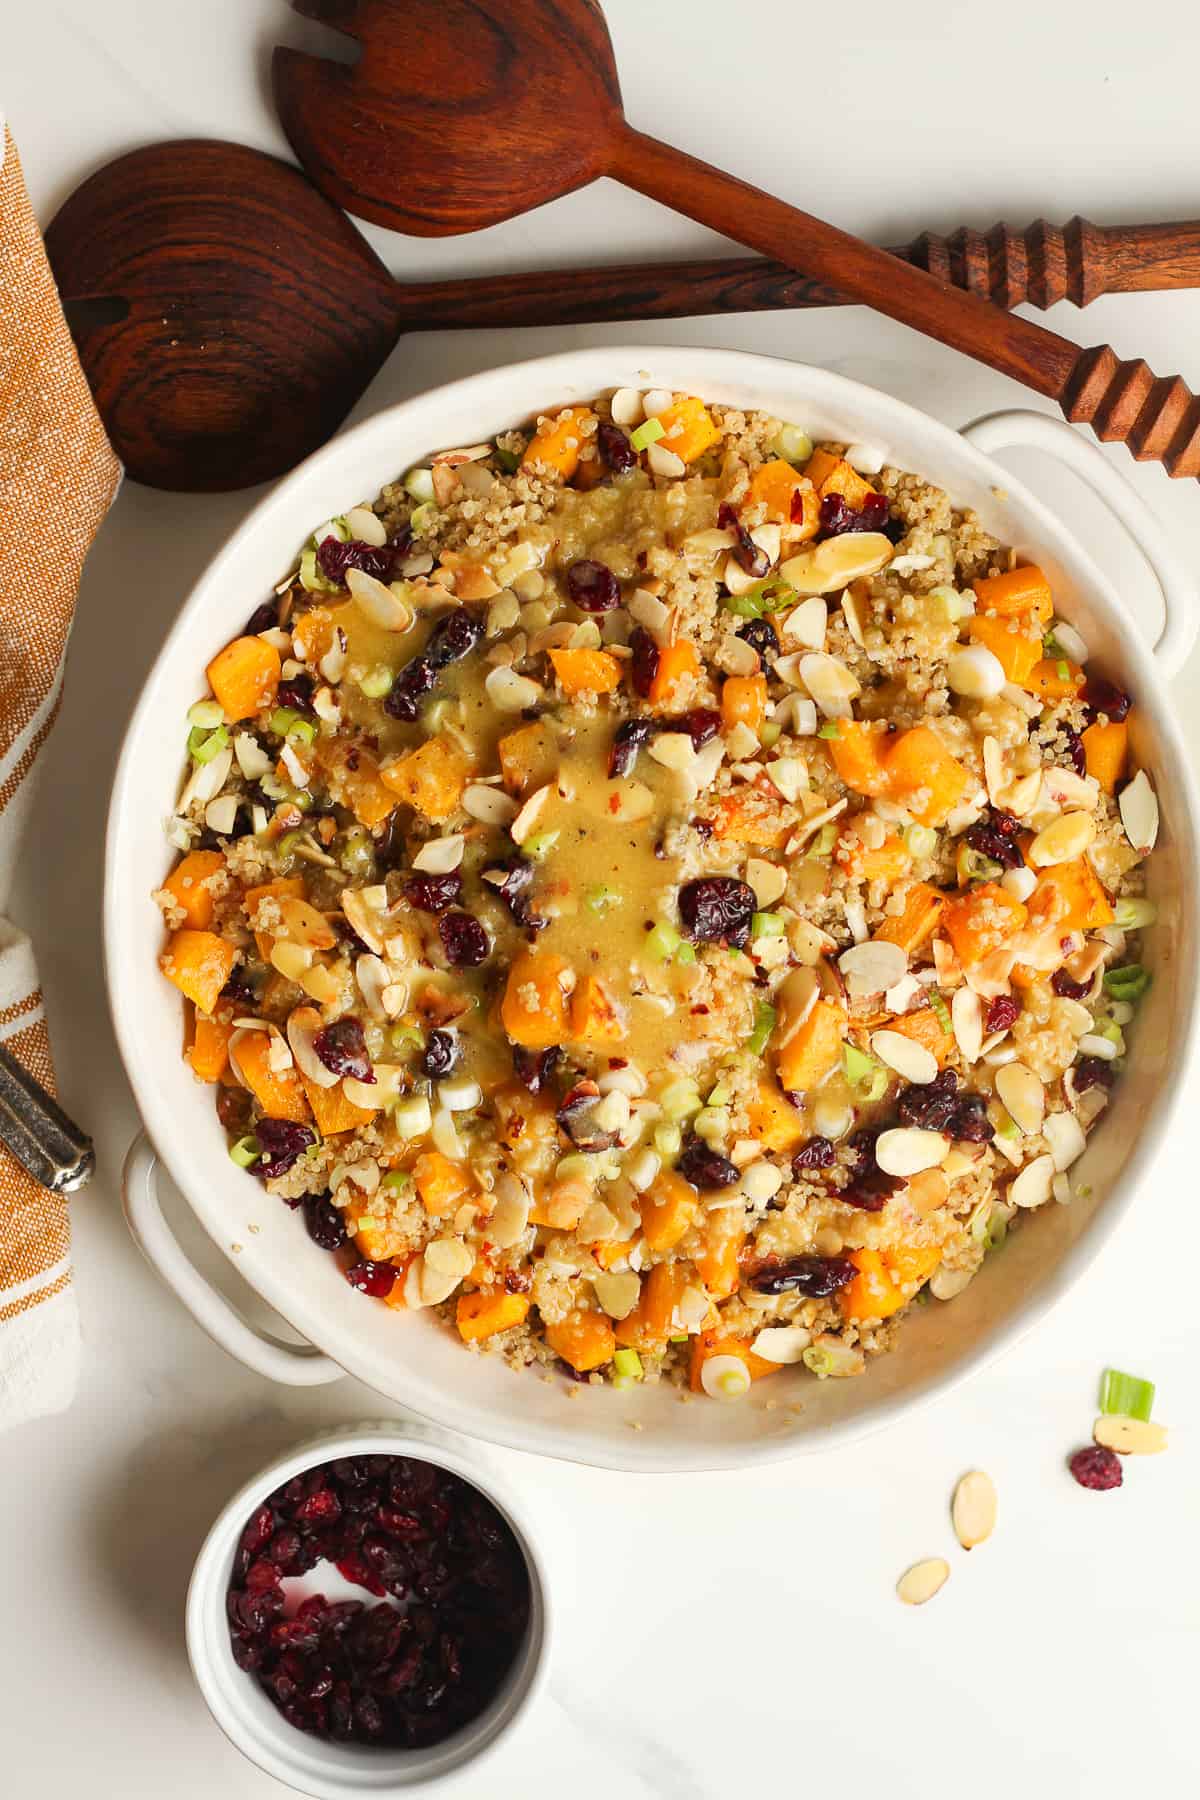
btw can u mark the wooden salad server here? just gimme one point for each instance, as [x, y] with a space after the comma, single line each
[462, 113]
[228, 316]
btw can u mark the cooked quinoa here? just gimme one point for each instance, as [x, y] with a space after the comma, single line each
[659, 893]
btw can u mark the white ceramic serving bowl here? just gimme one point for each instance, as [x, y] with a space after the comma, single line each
[328, 1770]
[414, 1360]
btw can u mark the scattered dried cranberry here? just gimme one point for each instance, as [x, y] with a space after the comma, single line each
[375, 1674]
[970, 1123]
[702, 725]
[996, 836]
[334, 558]
[281, 1142]
[593, 586]
[263, 618]
[412, 683]
[1066, 988]
[452, 638]
[1001, 1013]
[818, 1153]
[1103, 696]
[717, 909]
[837, 515]
[440, 1055]
[514, 891]
[869, 1188]
[929, 1105]
[630, 737]
[816, 1277]
[1075, 749]
[760, 635]
[434, 893]
[747, 554]
[644, 663]
[296, 692]
[705, 1167]
[374, 1278]
[342, 1047]
[464, 940]
[533, 1068]
[1097, 1468]
[615, 447]
[326, 1226]
[1090, 1072]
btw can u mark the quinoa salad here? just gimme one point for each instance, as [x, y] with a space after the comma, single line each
[661, 893]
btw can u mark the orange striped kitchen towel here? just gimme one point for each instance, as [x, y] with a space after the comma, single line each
[57, 479]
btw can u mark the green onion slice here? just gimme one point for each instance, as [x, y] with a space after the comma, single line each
[245, 1153]
[204, 745]
[830, 729]
[1129, 983]
[647, 433]
[764, 1025]
[1128, 1394]
[628, 1363]
[1135, 913]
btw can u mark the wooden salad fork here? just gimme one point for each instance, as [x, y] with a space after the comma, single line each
[462, 113]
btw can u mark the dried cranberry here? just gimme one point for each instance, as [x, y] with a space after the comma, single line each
[929, 1105]
[576, 1116]
[282, 1142]
[334, 558]
[326, 1226]
[1090, 1072]
[593, 586]
[630, 737]
[434, 893]
[513, 889]
[1097, 1468]
[296, 692]
[747, 554]
[818, 1153]
[374, 1278]
[1066, 988]
[644, 662]
[702, 725]
[869, 1188]
[1103, 696]
[412, 683]
[837, 515]
[452, 638]
[234, 1110]
[969, 1122]
[440, 1054]
[615, 447]
[996, 837]
[717, 909]
[1075, 749]
[263, 618]
[342, 1048]
[533, 1068]
[1001, 1013]
[704, 1167]
[760, 635]
[464, 940]
[816, 1277]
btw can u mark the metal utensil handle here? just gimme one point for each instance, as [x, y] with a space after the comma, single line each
[38, 1132]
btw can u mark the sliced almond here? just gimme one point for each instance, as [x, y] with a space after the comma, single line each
[947, 1284]
[664, 462]
[1063, 840]
[995, 770]
[440, 855]
[510, 1215]
[1139, 812]
[830, 683]
[526, 820]
[1034, 1185]
[910, 1060]
[510, 692]
[1023, 795]
[626, 407]
[490, 805]
[829, 566]
[364, 909]
[301, 923]
[806, 624]
[1129, 1437]
[966, 1017]
[782, 1343]
[618, 1292]
[366, 526]
[1023, 1095]
[873, 967]
[789, 776]
[673, 749]
[302, 1027]
[377, 602]
[1065, 1136]
[973, 1510]
[857, 614]
[923, 1581]
[446, 1262]
[907, 1150]
[767, 879]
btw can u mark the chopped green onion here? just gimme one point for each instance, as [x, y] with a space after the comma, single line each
[1129, 983]
[540, 844]
[685, 955]
[419, 484]
[204, 745]
[302, 732]
[877, 1086]
[423, 518]
[792, 444]
[647, 433]
[770, 733]
[405, 1037]
[995, 1229]
[507, 461]
[858, 1066]
[956, 606]
[1063, 670]
[396, 1181]
[745, 606]
[599, 898]
[628, 1363]
[766, 925]
[682, 1339]
[822, 844]
[1112, 1031]
[777, 595]
[939, 1009]
[376, 682]
[286, 847]
[245, 1153]
[1128, 1394]
[830, 729]
[662, 943]
[818, 1360]
[1051, 648]
[920, 840]
[206, 714]
[979, 867]
[720, 1096]
[311, 578]
[764, 1025]
[1135, 913]
[668, 1140]
[285, 722]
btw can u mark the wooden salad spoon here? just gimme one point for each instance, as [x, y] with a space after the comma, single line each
[228, 316]
[462, 113]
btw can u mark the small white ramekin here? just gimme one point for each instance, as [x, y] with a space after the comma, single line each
[313, 1766]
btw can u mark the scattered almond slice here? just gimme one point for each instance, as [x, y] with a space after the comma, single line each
[923, 1581]
[1139, 812]
[1129, 1437]
[973, 1509]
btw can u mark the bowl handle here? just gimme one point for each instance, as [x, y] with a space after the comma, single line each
[1038, 431]
[299, 1365]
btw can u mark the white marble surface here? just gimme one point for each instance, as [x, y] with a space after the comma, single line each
[732, 1629]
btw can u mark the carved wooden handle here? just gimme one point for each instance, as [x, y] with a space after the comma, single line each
[1046, 263]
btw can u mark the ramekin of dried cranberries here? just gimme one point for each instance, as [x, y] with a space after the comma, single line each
[369, 1614]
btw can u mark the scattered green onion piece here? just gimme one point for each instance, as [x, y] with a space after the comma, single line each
[678, 1340]
[1129, 983]
[770, 733]
[376, 682]
[793, 445]
[777, 595]
[419, 484]
[1051, 648]
[668, 1140]
[206, 715]
[954, 604]
[405, 1037]
[817, 1359]
[540, 844]
[245, 1153]
[662, 943]
[996, 1229]
[920, 840]
[1128, 1394]
[282, 720]
[647, 433]
[876, 1088]
[1062, 669]
[764, 1025]
[830, 729]
[423, 518]
[1112, 1031]
[599, 898]
[685, 955]
[507, 461]
[204, 745]
[857, 1065]
[980, 867]
[745, 606]
[1135, 913]
[822, 845]
[766, 925]
[302, 732]
[286, 847]
[311, 578]
[629, 1364]
[939, 1009]
[396, 1181]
